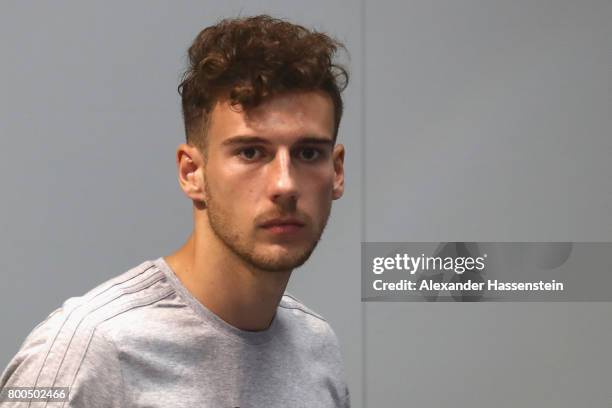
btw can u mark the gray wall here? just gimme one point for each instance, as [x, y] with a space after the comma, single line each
[475, 120]
[488, 121]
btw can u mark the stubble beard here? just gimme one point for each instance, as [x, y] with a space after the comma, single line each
[220, 223]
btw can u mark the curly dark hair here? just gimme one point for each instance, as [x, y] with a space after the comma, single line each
[253, 57]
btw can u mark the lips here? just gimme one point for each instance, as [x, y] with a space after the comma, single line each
[283, 222]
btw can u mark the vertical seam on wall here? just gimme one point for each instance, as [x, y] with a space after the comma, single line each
[363, 200]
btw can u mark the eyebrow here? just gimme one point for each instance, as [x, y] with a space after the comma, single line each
[309, 139]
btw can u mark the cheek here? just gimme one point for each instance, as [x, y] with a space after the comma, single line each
[317, 191]
[235, 196]
[231, 182]
[324, 182]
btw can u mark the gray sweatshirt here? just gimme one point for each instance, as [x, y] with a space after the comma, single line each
[141, 339]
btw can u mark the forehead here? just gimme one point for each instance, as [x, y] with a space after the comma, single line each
[278, 118]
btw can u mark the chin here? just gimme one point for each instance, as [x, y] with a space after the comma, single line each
[281, 259]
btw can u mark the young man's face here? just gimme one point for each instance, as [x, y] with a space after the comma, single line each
[270, 176]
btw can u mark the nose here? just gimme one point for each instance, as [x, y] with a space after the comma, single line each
[283, 185]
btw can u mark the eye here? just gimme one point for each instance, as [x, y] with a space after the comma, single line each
[309, 154]
[249, 153]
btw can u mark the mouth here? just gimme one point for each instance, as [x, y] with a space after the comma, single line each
[283, 226]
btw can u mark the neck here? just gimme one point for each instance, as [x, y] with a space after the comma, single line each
[237, 292]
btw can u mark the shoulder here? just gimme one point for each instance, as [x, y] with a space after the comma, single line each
[311, 322]
[316, 334]
[73, 343]
[290, 303]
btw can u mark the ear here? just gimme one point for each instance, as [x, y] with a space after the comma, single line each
[191, 167]
[338, 158]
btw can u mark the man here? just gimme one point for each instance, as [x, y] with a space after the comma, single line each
[211, 325]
